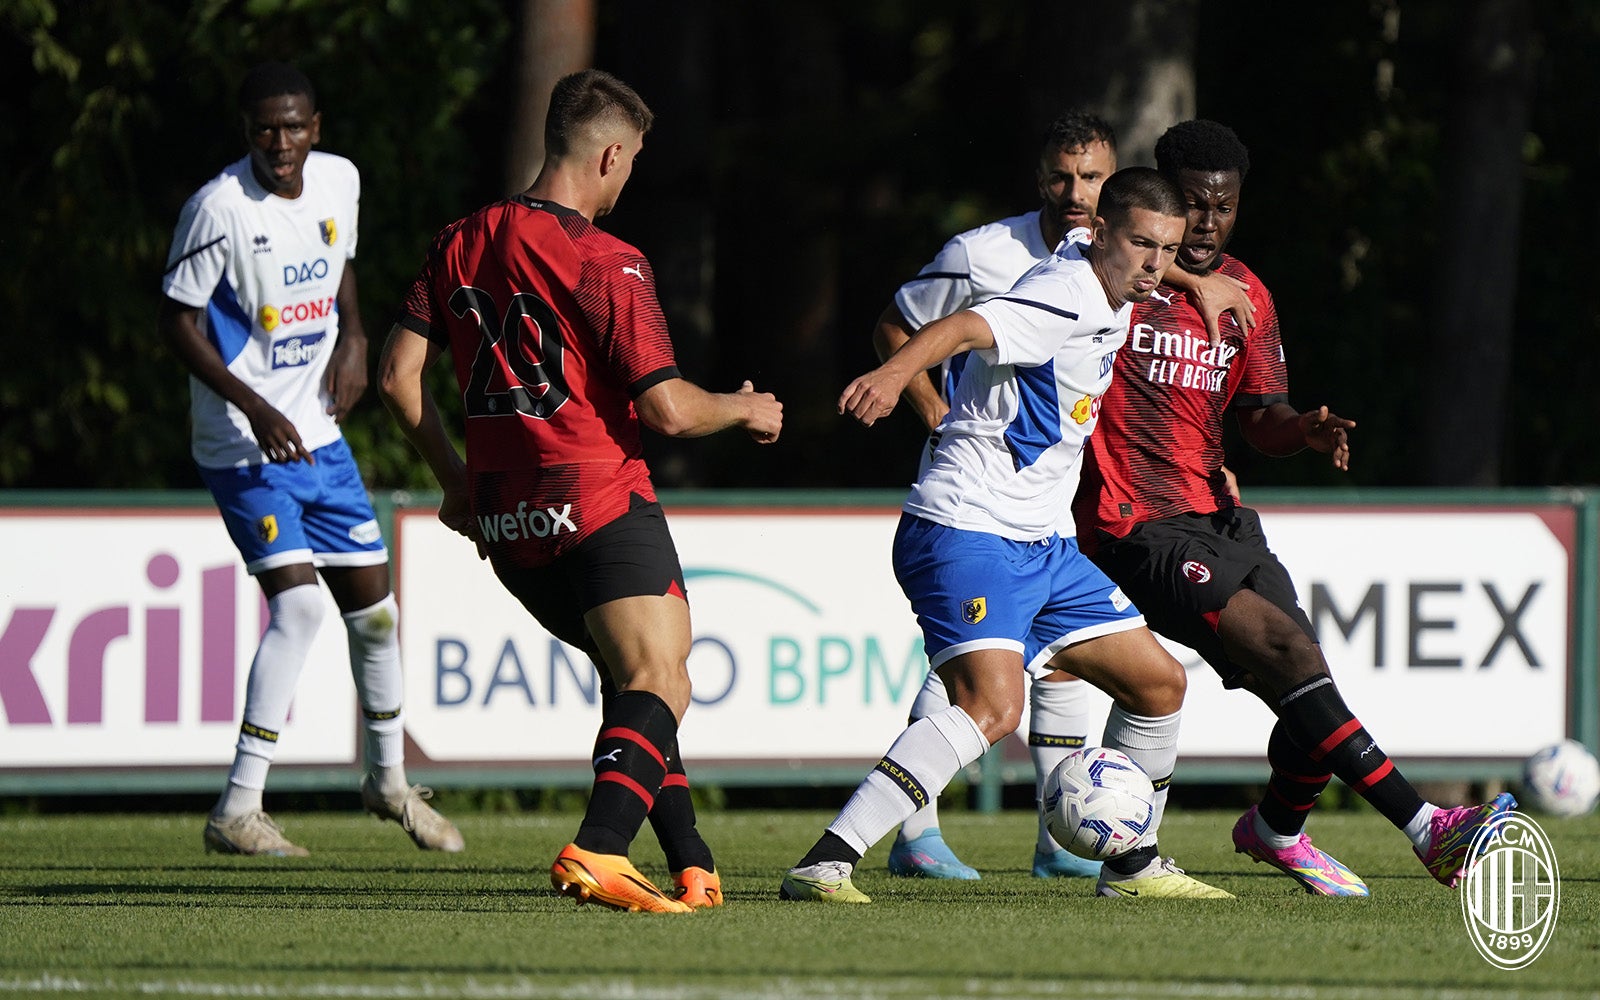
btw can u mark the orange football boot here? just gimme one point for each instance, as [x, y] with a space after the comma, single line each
[610, 880]
[698, 888]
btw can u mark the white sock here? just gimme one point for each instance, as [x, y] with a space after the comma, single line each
[932, 699]
[1152, 743]
[922, 761]
[375, 662]
[1421, 826]
[1058, 726]
[238, 799]
[295, 615]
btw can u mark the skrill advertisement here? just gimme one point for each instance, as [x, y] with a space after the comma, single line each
[126, 639]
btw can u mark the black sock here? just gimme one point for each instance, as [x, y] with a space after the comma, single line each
[629, 764]
[1133, 861]
[830, 847]
[1320, 723]
[1297, 782]
[673, 820]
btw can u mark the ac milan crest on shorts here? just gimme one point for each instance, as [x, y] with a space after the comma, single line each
[1181, 571]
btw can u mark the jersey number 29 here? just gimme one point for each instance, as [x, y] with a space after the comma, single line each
[528, 341]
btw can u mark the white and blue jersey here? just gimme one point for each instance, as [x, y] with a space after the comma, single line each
[971, 267]
[1008, 450]
[977, 551]
[264, 271]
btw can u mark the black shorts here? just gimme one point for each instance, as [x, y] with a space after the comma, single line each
[632, 556]
[1181, 571]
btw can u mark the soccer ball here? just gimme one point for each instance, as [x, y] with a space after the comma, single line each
[1562, 779]
[1098, 803]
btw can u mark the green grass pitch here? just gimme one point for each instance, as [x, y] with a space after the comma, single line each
[131, 906]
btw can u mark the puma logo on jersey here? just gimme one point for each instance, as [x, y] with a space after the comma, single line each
[636, 272]
[1161, 298]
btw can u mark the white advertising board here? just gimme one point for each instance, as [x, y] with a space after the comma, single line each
[804, 645]
[126, 639]
[1446, 630]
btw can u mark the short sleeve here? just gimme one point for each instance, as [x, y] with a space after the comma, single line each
[419, 310]
[617, 294]
[355, 216]
[1266, 374]
[198, 257]
[1036, 319]
[940, 289]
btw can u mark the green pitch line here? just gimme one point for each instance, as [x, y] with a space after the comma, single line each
[131, 906]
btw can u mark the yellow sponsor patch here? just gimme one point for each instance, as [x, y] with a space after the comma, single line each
[269, 318]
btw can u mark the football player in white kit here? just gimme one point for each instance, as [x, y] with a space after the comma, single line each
[995, 587]
[1078, 153]
[260, 306]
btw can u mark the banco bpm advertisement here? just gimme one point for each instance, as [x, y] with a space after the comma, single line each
[803, 645]
[1447, 632]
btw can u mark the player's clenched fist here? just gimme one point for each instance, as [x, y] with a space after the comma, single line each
[871, 397]
[765, 419]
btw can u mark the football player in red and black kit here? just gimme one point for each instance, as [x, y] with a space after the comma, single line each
[1154, 513]
[561, 351]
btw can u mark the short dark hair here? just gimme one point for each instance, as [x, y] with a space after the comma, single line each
[1139, 187]
[1202, 145]
[274, 79]
[1077, 128]
[588, 96]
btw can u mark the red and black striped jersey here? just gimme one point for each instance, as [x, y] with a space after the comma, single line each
[1158, 448]
[554, 329]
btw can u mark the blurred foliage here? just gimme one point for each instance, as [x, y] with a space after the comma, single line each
[806, 159]
[124, 110]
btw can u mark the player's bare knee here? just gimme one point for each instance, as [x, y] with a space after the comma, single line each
[1160, 688]
[669, 684]
[999, 722]
[1292, 659]
[997, 713]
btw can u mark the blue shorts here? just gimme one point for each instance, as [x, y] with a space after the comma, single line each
[284, 513]
[973, 590]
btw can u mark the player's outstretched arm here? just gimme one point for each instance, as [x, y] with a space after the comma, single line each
[274, 432]
[921, 394]
[873, 396]
[346, 377]
[1214, 294]
[407, 356]
[1280, 430]
[679, 408]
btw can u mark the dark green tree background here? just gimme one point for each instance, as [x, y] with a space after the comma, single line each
[807, 158]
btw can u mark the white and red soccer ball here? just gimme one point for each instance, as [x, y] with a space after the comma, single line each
[1098, 803]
